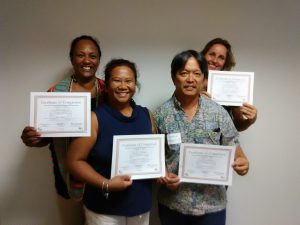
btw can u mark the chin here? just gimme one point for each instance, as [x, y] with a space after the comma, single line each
[190, 94]
[122, 100]
[89, 75]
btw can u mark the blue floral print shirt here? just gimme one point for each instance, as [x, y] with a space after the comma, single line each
[210, 125]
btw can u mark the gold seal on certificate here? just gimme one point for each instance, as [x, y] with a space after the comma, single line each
[140, 156]
[61, 114]
[231, 87]
[206, 164]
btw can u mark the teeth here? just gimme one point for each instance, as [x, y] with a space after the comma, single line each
[122, 94]
[86, 67]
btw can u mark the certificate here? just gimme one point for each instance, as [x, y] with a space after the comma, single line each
[231, 87]
[140, 156]
[206, 164]
[61, 114]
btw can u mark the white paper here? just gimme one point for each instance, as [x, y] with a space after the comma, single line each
[140, 156]
[206, 164]
[174, 138]
[61, 114]
[231, 87]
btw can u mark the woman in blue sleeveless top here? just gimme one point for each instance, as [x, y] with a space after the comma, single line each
[118, 200]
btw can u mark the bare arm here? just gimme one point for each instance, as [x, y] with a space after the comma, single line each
[32, 138]
[244, 116]
[76, 162]
[154, 130]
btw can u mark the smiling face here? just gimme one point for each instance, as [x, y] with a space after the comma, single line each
[85, 60]
[121, 85]
[188, 82]
[216, 57]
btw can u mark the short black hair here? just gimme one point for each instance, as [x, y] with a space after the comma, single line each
[84, 37]
[179, 61]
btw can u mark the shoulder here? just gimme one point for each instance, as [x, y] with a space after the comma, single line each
[165, 107]
[62, 86]
[163, 111]
[100, 108]
[142, 109]
[207, 102]
[215, 112]
[211, 106]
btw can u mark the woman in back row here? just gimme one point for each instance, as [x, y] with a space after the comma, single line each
[219, 56]
[85, 55]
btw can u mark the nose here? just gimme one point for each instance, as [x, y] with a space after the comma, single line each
[190, 77]
[214, 59]
[86, 59]
[122, 85]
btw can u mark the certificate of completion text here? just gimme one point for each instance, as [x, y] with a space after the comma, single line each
[140, 156]
[231, 87]
[207, 164]
[63, 114]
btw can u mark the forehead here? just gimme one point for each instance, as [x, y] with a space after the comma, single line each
[218, 48]
[191, 64]
[85, 43]
[122, 71]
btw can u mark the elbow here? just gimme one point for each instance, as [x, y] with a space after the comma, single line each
[242, 125]
[240, 128]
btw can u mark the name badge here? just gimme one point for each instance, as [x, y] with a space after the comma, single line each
[174, 138]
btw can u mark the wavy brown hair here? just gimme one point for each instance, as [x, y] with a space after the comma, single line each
[230, 60]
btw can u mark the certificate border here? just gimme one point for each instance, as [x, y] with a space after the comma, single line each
[249, 75]
[86, 96]
[202, 147]
[117, 139]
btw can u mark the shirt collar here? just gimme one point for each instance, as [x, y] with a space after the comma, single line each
[177, 103]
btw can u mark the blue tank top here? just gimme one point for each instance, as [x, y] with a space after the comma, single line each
[136, 199]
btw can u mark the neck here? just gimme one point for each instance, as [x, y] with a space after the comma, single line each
[124, 108]
[188, 102]
[85, 85]
[189, 105]
[83, 81]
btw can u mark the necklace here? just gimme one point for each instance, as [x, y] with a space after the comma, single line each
[74, 80]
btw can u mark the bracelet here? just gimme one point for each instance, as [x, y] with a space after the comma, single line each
[105, 189]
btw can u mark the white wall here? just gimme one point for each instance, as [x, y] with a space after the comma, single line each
[34, 44]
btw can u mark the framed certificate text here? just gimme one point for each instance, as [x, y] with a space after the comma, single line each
[61, 114]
